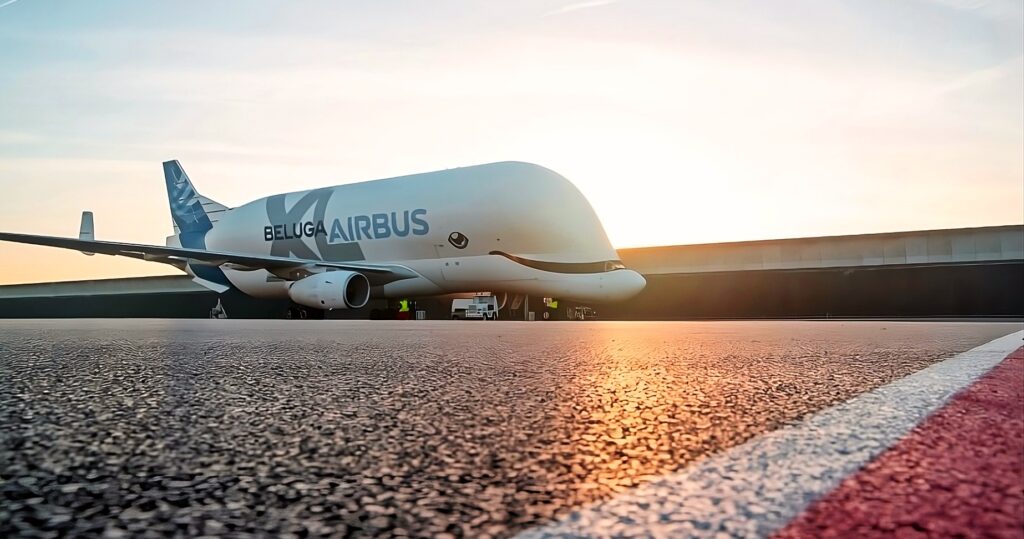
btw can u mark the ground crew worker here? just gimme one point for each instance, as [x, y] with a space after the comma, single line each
[552, 309]
[403, 309]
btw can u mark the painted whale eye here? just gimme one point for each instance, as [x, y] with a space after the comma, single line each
[458, 240]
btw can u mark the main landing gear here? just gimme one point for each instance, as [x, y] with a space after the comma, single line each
[298, 312]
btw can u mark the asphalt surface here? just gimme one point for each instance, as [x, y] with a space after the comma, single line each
[960, 473]
[400, 428]
[757, 488]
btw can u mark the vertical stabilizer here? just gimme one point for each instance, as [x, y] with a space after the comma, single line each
[186, 208]
[191, 223]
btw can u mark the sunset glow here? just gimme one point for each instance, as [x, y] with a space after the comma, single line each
[680, 122]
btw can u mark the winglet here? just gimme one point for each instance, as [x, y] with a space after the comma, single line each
[86, 231]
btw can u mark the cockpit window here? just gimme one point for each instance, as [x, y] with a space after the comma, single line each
[565, 267]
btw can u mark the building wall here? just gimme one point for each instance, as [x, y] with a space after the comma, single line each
[967, 290]
[958, 246]
[974, 272]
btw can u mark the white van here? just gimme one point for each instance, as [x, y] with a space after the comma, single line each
[482, 307]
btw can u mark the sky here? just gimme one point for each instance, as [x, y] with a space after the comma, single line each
[681, 122]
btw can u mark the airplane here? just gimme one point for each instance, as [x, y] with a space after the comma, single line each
[508, 227]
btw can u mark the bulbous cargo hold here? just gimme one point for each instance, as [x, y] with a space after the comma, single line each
[513, 207]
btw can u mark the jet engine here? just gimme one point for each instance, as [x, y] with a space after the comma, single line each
[331, 290]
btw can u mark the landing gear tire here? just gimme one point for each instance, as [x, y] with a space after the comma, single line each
[303, 313]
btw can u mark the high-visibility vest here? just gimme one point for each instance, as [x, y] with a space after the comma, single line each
[553, 304]
[403, 306]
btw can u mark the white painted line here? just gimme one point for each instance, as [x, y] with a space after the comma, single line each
[756, 488]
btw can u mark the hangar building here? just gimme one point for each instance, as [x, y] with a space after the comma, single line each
[969, 272]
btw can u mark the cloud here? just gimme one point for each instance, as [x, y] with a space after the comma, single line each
[578, 6]
[18, 137]
[660, 109]
[1009, 12]
[993, 76]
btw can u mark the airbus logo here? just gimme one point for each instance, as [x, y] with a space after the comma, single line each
[375, 226]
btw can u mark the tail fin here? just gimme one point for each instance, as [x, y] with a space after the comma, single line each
[193, 214]
[186, 209]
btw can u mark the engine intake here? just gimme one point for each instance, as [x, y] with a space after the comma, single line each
[331, 290]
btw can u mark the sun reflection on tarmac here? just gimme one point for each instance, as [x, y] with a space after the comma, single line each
[625, 421]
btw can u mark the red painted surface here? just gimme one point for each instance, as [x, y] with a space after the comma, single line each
[960, 473]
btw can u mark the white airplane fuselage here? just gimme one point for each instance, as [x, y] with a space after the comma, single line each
[504, 227]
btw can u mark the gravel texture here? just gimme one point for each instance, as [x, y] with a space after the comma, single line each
[124, 427]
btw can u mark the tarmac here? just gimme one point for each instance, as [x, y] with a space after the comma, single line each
[476, 429]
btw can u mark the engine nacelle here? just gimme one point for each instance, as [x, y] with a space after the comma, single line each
[331, 290]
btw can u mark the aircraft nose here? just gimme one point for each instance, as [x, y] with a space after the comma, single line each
[628, 284]
[635, 282]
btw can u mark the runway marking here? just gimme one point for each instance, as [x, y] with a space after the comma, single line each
[757, 488]
[958, 474]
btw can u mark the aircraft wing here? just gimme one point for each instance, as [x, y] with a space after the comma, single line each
[285, 267]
